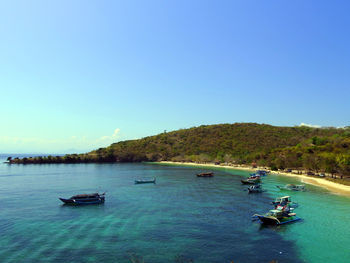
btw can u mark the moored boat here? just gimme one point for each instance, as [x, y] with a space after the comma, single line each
[285, 200]
[85, 199]
[251, 180]
[208, 174]
[260, 173]
[280, 215]
[292, 187]
[145, 181]
[255, 189]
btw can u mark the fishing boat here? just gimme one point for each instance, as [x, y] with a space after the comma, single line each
[251, 180]
[145, 181]
[255, 189]
[208, 174]
[280, 215]
[292, 187]
[285, 200]
[85, 199]
[260, 173]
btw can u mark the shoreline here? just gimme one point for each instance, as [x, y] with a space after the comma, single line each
[333, 187]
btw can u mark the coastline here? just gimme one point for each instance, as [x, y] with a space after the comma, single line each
[333, 187]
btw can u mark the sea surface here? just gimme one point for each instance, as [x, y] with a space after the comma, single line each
[181, 218]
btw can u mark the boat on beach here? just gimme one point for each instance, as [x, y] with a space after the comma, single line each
[146, 181]
[292, 187]
[208, 174]
[85, 199]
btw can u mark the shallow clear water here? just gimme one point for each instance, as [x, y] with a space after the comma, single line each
[179, 219]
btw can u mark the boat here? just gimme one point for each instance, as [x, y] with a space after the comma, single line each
[279, 216]
[292, 187]
[208, 174]
[284, 201]
[260, 173]
[251, 180]
[255, 189]
[85, 199]
[145, 181]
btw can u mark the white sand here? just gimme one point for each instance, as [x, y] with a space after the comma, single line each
[331, 186]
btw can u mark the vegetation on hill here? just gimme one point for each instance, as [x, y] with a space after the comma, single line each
[316, 149]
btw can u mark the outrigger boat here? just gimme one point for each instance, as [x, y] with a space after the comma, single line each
[285, 200]
[255, 189]
[145, 181]
[209, 174]
[280, 215]
[85, 199]
[260, 173]
[251, 180]
[292, 187]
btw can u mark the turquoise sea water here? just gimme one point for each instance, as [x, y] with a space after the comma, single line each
[180, 219]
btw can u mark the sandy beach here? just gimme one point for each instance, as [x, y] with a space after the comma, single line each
[321, 182]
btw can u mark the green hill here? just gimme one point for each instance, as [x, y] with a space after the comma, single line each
[319, 149]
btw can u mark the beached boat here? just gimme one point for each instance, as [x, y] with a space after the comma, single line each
[85, 199]
[280, 215]
[255, 189]
[209, 174]
[292, 187]
[145, 181]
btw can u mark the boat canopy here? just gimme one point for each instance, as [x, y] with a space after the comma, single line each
[85, 195]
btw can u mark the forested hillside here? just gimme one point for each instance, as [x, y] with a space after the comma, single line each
[319, 149]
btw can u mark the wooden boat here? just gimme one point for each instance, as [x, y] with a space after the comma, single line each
[247, 181]
[255, 189]
[251, 180]
[280, 215]
[292, 187]
[208, 174]
[145, 181]
[85, 199]
[285, 200]
[260, 173]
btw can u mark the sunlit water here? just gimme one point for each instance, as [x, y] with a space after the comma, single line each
[181, 218]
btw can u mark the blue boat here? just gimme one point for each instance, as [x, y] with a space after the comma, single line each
[85, 199]
[260, 173]
[278, 216]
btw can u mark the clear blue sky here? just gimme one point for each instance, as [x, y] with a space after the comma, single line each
[72, 72]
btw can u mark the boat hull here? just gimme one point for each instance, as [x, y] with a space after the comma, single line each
[284, 188]
[249, 182]
[270, 220]
[205, 175]
[145, 182]
[254, 191]
[91, 201]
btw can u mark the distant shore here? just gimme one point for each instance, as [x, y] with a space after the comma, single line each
[333, 187]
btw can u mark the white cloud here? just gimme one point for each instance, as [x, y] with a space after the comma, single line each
[114, 136]
[310, 125]
[115, 133]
